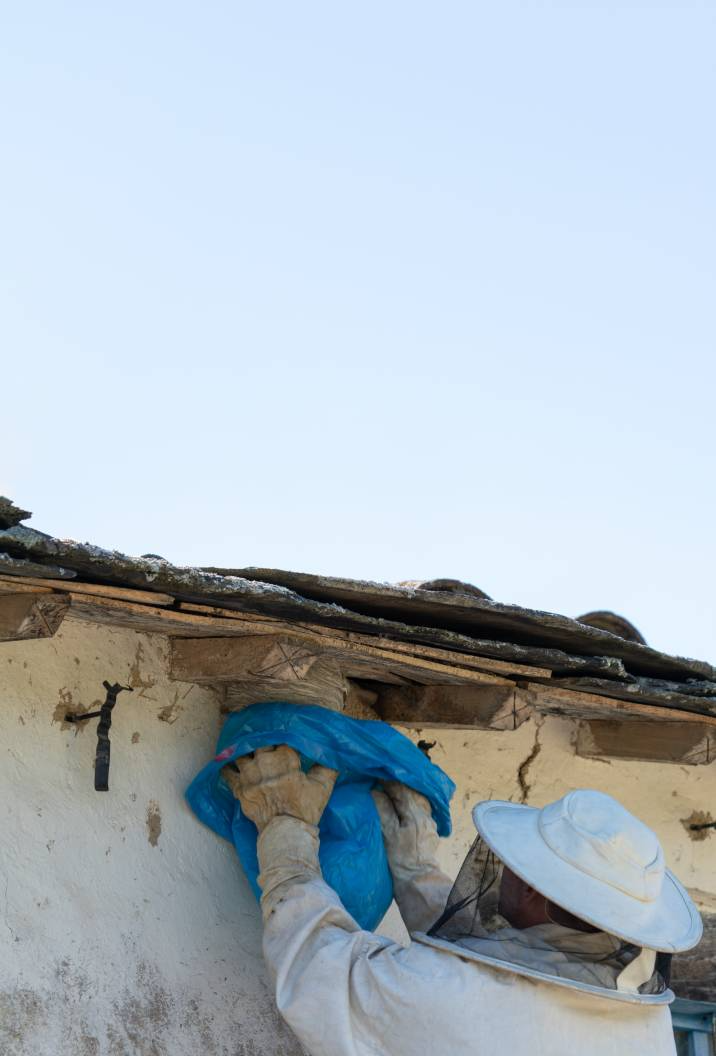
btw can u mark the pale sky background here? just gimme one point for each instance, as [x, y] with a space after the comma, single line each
[384, 290]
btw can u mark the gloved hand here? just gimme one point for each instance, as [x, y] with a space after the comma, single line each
[270, 783]
[409, 832]
[411, 843]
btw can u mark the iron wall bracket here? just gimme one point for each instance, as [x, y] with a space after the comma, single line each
[102, 756]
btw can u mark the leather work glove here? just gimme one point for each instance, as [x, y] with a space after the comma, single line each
[411, 842]
[269, 783]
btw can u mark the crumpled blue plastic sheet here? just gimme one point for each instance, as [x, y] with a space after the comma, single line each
[352, 855]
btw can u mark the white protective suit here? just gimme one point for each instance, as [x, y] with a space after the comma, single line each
[348, 992]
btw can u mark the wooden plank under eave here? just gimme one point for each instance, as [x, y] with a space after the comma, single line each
[686, 743]
[148, 619]
[455, 707]
[9, 586]
[233, 660]
[433, 617]
[478, 617]
[572, 705]
[256, 624]
[357, 661]
[701, 696]
[26, 616]
[102, 590]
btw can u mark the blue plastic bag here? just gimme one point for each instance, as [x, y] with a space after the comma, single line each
[352, 854]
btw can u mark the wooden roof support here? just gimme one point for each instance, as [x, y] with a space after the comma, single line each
[434, 617]
[25, 616]
[241, 659]
[355, 655]
[687, 743]
[552, 700]
[455, 707]
[255, 624]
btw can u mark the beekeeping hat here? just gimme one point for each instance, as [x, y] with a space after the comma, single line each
[589, 855]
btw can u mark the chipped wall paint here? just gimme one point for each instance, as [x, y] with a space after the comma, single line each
[129, 929]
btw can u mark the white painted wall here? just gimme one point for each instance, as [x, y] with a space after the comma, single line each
[112, 946]
[114, 943]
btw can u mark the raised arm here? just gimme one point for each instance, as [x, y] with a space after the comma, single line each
[341, 990]
[411, 840]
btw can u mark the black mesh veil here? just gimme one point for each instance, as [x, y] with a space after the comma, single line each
[471, 907]
[472, 919]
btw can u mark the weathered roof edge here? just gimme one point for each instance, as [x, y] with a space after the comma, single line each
[10, 514]
[324, 599]
[471, 614]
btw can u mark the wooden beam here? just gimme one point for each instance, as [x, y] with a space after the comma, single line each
[256, 624]
[698, 695]
[101, 590]
[360, 660]
[457, 707]
[147, 619]
[551, 700]
[687, 743]
[227, 660]
[21, 586]
[360, 656]
[240, 659]
[26, 616]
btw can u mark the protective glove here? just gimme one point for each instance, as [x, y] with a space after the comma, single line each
[411, 842]
[269, 783]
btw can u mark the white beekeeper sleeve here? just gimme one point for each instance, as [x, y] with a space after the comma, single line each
[411, 841]
[333, 981]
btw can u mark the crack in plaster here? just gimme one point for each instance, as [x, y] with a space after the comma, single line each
[525, 765]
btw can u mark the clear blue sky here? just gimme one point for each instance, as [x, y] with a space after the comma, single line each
[386, 290]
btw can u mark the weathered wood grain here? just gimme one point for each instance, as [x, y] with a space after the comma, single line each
[692, 696]
[382, 665]
[456, 707]
[226, 660]
[323, 684]
[239, 659]
[468, 615]
[21, 586]
[264, 625]
[551, 700]
[148, 619]
[100, 590]
[25, 616]
[686, 743]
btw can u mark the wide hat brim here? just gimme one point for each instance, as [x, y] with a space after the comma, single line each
[670, 923]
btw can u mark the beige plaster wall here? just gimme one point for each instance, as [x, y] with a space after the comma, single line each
[537, 764]
[126, 928]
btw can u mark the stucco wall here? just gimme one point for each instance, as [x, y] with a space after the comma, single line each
[128, 929]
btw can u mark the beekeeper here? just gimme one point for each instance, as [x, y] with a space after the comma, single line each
[555, 938]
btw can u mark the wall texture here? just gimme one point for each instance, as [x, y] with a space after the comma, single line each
[128, 929]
